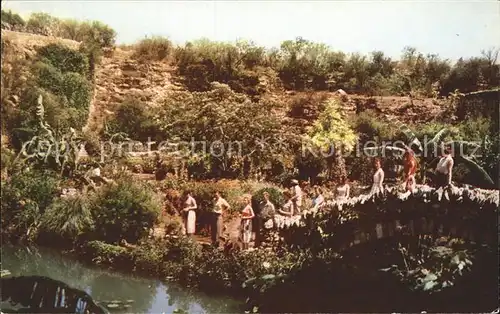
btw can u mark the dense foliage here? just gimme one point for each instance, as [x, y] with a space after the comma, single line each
[47, 25]
[222, 130]
[126, 210]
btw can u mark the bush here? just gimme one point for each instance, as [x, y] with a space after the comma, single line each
[133, 119]
[153, 49]
[69, 217]
[70, 29]
[43, 24]
[126, 210]
[48, 77]
[97, 33]
[369, 126]
[63, 58]
[77, 90]
[204, 61]
[25, 197]
[12, 21]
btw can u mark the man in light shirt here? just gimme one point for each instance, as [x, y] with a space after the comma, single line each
[296, 197]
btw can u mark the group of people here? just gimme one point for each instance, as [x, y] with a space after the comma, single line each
[267, 210]
[442, 173]
[295, 195]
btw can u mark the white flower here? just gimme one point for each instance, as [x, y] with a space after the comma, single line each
[266, 264]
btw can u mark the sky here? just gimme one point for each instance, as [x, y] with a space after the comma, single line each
[452, 29]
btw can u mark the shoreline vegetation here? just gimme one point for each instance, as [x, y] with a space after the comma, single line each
[301, 92]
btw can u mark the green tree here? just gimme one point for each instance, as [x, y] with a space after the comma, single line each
[331, 133]
[305, 64]
[236, 129]
[43, 24]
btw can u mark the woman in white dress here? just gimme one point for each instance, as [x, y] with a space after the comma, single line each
[343, 190]
[378, 178]
[247, 214]
[189, 214]
[444, 169]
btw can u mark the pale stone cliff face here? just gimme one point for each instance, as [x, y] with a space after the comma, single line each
[120, 77]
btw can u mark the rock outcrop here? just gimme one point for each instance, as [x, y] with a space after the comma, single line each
[120, 77]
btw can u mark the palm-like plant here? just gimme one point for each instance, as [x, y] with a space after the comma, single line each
[47, 146]
[429, 152]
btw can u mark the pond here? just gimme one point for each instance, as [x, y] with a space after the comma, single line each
[141, 295]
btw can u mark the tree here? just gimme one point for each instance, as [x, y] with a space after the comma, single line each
[332, 134]
[229, 128]
[305, 64]
[43, 24]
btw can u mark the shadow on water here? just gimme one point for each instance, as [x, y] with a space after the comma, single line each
[113, 291]
[39, 294]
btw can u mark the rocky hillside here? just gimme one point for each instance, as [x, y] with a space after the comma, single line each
[119, 76]
[22, 47]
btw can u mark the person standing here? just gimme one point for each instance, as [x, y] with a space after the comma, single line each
[343, 190]
[410, 168]
[378, 178]
[189, 214]
[263, 218]
[444, 168]
[247, 215]
[220, 206]
[296, 197]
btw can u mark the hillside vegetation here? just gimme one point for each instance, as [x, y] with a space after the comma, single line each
[83, 167]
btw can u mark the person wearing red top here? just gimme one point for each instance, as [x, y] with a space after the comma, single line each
[410, 168]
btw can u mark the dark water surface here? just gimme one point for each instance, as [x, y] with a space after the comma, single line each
[148, 295]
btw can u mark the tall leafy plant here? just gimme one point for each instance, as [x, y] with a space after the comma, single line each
[61, 151]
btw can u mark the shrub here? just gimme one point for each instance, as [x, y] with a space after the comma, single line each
[48, 77]
[475, 129]
[133, 119]
[231, 117]
[204, 61]
[369, 126]
[77, 90]
[69, 217]
[153, 49]
[105, 253]
[331, 128]
[57, 114]
[12, 21]
[63, 58]
[70, 29]
[25, 197]
[43, 24]
[97, 33]
[126, 210]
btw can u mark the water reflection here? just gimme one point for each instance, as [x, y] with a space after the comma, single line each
[133, 294]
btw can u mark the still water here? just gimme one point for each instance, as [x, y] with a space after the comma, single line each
[143, 295]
